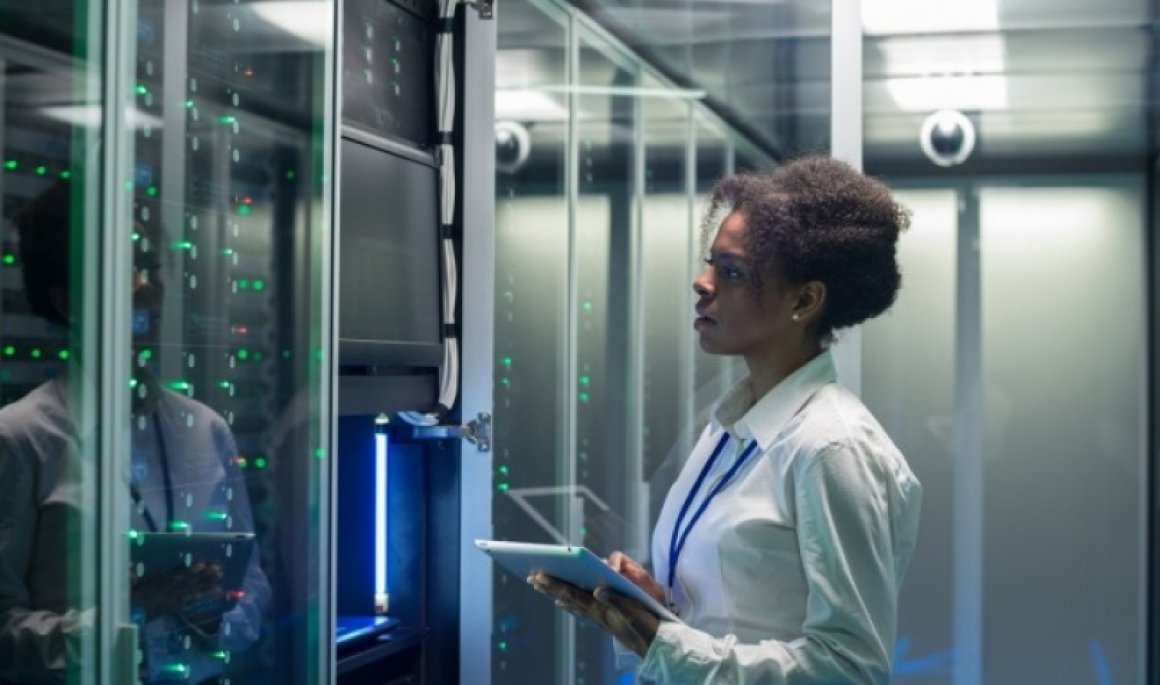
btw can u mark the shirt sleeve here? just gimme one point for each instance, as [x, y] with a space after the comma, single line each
[845, 539]
[33, 642]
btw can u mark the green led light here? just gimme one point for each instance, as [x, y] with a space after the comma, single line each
[62, 355]
[290, 175]
[260, 463]
[189, 104]
[585, 380]
[243, 354]
[587, 305]
[133, 535]
[176, 669]
[151, 191]
[146, 354]
[175, 526]
[179, 385]
[132, 383]
[244, 210]
[503, 470]
[227, 251]
[583, 530]
[10, 165]
[9, 259]
[129, 186]
[584, 397]
[502, 487]
[242, 462]
[65, 175]
[285, 354]
[141, 89]
[225, 385]
[216, 515]
[134, 236]
[507, 362]
[501, 645]
[320, 453]
[182, 245]
[259, 284]
[505, 382]
[227, 119]
[243, 284]
[36, 353]
[41, 170]
[257, 356]
[221, 654]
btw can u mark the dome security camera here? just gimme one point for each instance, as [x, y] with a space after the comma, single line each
[512, 146]
[947, 138]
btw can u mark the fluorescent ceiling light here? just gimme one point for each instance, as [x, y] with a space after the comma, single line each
[929, 93]
[90, 116]
[528, 105]
[890, 17]
[310, 20]
[943, 55]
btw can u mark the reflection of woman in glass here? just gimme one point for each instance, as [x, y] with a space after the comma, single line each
[783, 542]
[183, 476]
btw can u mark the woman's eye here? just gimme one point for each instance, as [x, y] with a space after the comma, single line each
[725, 271]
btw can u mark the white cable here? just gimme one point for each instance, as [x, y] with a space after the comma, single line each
[445, 109]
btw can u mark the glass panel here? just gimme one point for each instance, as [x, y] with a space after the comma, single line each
[667, 247]
[228, 226]
[50, 183]
[1064, 382]
[908, 370]
[605, 471]
[531, 285]
[713, 375]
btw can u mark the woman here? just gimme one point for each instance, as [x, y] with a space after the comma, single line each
[783, 542]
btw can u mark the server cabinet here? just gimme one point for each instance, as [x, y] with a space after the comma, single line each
[167, 293]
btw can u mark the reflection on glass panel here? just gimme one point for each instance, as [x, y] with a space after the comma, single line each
[224, 390]
[529, 405]
[908, 370]
[50, 97]
[667, 245]
[1063, 354]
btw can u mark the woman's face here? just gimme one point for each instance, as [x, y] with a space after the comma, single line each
[731, 318]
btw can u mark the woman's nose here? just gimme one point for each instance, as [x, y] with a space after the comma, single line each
[701, 284]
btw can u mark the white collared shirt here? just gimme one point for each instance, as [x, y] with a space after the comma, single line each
[792, 573]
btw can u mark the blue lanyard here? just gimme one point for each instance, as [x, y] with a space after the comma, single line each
[677, 542]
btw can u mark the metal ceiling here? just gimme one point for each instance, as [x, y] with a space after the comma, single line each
[1047, 82]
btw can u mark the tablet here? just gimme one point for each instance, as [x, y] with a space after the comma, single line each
[154, 554]
[576, 565]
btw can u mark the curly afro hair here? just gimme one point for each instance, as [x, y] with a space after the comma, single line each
[818, 219]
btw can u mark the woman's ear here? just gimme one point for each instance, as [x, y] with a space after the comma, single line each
[811, 301]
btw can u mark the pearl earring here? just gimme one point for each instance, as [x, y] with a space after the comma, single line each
[796, 317]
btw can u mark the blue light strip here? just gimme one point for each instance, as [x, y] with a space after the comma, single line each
[381, 452]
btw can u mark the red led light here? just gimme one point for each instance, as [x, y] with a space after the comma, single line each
[247, 72]
[239, 330]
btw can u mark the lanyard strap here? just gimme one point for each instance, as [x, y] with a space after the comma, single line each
[164, 454]
[677, 541]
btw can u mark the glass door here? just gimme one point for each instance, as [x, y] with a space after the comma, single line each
[51, 461]
[165, 341]
[226, 216]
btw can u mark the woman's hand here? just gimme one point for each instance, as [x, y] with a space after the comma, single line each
[626, 619]
[625, 566]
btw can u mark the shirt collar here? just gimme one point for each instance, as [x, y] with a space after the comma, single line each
[745, 417]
